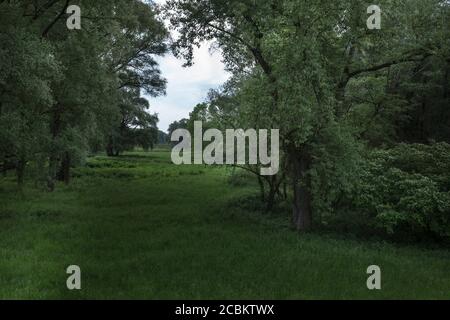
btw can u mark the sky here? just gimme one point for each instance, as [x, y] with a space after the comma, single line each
[186, 87]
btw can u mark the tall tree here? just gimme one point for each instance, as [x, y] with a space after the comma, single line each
[301, 57]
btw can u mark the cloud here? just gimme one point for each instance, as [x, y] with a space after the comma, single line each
[187, 86]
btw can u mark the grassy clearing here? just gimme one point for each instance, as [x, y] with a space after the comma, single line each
[140, 227]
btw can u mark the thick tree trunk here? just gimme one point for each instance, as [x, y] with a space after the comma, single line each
[52, 168]
[111, 151]
[20, 171]
[64, 171]
[301, 209]
[110, 148]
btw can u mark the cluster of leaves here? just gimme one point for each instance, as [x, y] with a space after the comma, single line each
[402, 192]
[407, 189]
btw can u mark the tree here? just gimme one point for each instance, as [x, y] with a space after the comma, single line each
[69, 90]
[28, 71]
[137, 126]
[182, 124]
[300, 59]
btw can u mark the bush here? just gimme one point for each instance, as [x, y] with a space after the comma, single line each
[406, 190]
[240, 178]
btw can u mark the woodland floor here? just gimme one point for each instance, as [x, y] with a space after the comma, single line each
[140, 227]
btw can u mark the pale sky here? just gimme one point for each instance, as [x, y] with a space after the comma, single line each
[186, 86]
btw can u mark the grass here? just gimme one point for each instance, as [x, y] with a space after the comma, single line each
[142, 228]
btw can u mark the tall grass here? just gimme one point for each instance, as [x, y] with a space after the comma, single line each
[140, 227]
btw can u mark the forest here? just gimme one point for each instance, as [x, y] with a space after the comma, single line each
[364, 126]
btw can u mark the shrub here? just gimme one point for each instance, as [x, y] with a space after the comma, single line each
[406, 190]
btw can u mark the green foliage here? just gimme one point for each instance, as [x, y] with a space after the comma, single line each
[335, 172]
[407, 190]
[182, 124]
[64, 93]
[28, 71]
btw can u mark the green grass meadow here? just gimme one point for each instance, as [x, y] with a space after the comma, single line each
[142, 228]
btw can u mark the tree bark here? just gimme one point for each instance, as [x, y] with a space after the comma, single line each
[270, 201]
[53, 158]
[262, 188]
[64, 171]
[301, 209]
[20, 171]
[111, 151]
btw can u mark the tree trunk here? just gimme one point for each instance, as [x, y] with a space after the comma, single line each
[53, 158]
[110, 148]
[64, 171]
[270, 201]
[301, 209]
[52, 168]
[20, 171]
[261, 188]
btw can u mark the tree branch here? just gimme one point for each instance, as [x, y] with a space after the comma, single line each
[50, 26]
